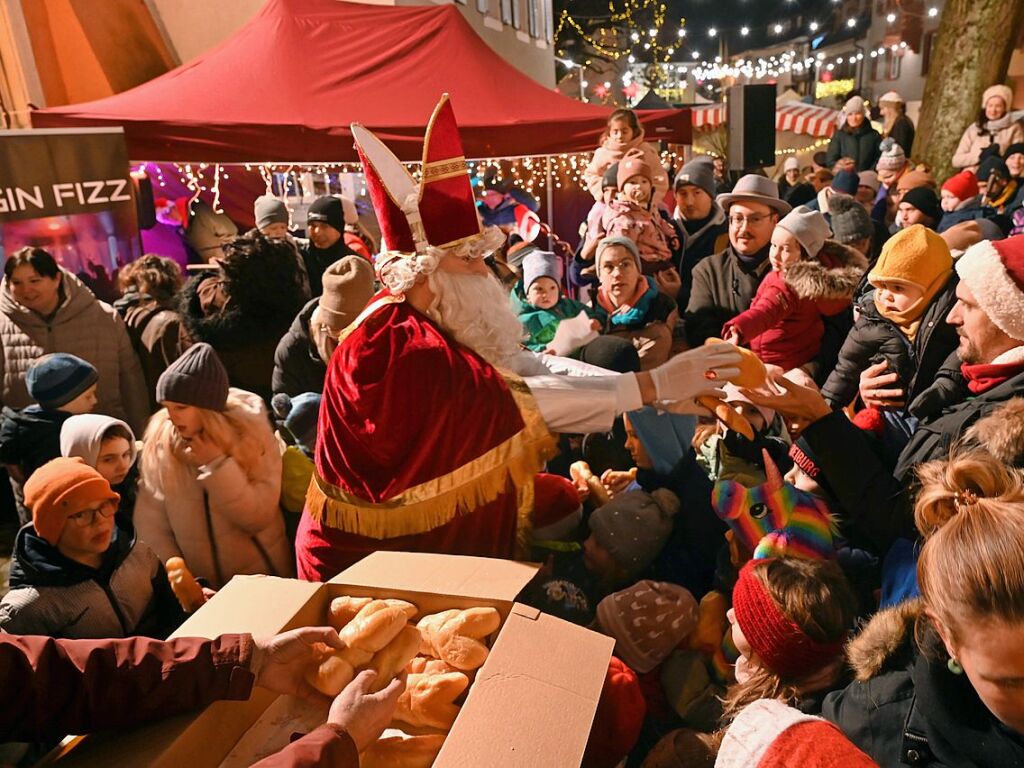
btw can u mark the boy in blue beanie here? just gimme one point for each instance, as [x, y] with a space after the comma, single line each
[62, 385]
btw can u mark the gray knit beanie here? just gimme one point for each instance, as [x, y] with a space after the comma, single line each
[699, 173]
[850, 221]
[540, 264]
[269, 210]
[622, 242]
[808, 227]
[196, 378]
[634, 527]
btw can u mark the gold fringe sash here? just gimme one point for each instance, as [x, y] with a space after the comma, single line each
[508, 467]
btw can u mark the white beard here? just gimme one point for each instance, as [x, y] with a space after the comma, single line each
[476, 310]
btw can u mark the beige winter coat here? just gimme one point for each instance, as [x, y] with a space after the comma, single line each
[972, 143]
[82, 326]
[241, 510]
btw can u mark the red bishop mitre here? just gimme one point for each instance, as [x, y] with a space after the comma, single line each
[440, 211]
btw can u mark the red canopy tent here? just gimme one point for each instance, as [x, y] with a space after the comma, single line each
[287, 85]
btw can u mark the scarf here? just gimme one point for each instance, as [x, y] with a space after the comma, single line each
[981, 377]
[1004, 199]
[995, 126]
[621, 147]
[749, 262]
[909, 320]
[633, 311]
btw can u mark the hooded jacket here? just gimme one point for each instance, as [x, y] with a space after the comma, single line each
[82, 436]
[297, 364]
[874, 338]
[218, 518]
[906, 708]
[53, 595]
[83, 326]
[784, 324]
[317, 260]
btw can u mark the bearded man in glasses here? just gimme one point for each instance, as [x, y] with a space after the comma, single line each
[724, 284]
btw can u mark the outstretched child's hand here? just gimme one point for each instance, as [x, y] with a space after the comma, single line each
[616, 482]
[731, 336]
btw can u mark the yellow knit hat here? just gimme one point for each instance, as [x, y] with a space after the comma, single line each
[915, 255]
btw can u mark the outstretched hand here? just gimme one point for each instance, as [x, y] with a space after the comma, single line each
[364, 715]
[280, 663]
[803, 404]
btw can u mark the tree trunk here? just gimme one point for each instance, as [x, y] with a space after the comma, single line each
[972, 52]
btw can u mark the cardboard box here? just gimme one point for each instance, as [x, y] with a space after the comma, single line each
[532, 703]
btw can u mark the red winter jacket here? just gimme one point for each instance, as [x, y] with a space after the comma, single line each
[784, 324]
[54, 687]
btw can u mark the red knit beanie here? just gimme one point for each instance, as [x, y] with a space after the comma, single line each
[620, 714]
[783, 646]
[61, 488]
[963, 186]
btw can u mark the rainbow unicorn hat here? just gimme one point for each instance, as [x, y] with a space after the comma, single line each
[776, 519]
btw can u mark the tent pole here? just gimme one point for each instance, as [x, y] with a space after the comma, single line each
[550, 201]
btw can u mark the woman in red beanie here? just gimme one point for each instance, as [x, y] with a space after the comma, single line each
[76, 572]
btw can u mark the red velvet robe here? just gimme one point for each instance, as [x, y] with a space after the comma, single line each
[422, 446]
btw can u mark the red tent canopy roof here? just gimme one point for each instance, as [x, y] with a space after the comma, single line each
[287, 85]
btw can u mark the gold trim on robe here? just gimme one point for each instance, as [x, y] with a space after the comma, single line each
[509, 467]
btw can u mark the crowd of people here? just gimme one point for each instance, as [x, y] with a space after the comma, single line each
[766, 435]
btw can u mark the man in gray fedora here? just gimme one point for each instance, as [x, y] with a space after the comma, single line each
[724, 284]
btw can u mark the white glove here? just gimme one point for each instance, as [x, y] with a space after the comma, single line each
[696, 373]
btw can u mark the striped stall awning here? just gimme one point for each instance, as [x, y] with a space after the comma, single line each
[795, 117]
[808, 119]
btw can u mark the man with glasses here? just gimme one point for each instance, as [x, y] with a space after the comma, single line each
[724, 284]
[78, 573]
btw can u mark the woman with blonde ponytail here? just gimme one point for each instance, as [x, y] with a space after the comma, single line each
[211, 475]
[940, 680]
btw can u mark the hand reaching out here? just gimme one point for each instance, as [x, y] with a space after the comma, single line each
[280, 663]
[364, 715]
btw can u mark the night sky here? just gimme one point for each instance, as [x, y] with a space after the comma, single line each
[728, 17]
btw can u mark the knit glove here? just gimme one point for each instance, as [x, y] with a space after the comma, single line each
[695, 373]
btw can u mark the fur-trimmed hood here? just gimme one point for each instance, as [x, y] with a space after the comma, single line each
[886, 643]
[1001, 433]
[834, 273]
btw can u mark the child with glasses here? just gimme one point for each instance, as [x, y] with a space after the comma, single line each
[76, 571]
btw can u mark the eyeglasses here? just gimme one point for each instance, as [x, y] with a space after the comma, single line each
[88, 516]
[757, 218]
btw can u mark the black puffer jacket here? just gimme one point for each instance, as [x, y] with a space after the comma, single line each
[297, 364]
[862, 144]
[907, 708]
[873, 338]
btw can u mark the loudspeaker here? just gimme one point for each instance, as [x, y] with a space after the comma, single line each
[751, 126]
[145, 207]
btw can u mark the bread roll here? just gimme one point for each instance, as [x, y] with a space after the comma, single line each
[376, 625]
[428, 700]
[726, 414]
[344, 609]
[580, 470]
[455, 636]
[331, 675]
[184, 585]
[392, 660]
[398, 752]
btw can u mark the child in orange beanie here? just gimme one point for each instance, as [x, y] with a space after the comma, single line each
[901, 329]
[78, 573]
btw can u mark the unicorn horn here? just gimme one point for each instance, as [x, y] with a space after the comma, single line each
[771, 472]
